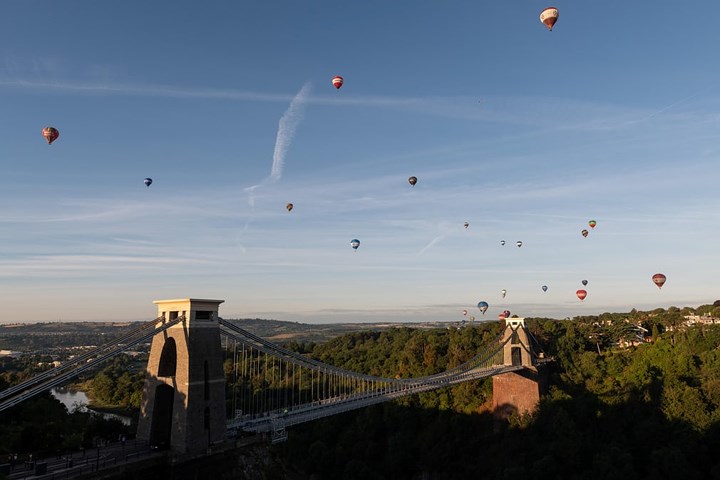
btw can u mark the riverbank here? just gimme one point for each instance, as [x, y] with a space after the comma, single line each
[101, 407]
[76, 399]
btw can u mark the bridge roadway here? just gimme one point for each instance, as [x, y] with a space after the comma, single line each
[73, 464]
[278, 420]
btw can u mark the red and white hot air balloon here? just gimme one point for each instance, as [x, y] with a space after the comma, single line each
[659, 279]
[337, 81]
[51, 134]
[549, 16]
[581, 294]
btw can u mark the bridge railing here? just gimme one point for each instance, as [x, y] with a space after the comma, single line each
[375, 389]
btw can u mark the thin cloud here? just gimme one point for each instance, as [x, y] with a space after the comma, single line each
[145, 90]
[539, 111]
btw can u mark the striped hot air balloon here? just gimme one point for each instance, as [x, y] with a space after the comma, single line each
[51, 134]
[549, 16]
[659, 279]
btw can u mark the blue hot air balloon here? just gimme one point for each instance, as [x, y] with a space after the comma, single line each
[355, 243]
[483, 306]
[147, 181]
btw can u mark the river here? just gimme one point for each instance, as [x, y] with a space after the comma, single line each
[76, 399]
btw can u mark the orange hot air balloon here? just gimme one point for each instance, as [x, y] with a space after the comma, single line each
[581, 294]
[659, 279]
[338, 81]
[289, 207]
[584, 233]
[51, 134]
[549, 16]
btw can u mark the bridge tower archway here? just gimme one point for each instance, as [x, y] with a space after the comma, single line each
[161, 422]
[517, 392]
[183, 404]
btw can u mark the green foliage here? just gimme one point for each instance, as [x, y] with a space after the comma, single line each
[117, 385]
[650, 411]
[44, 426]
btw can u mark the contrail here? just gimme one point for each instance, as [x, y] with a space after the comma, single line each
[668, 107]
[432, 243]
[286, 132]
[446, 231]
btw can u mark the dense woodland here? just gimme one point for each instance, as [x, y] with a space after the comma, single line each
[650, 411]
[43, 426]
[647, 411]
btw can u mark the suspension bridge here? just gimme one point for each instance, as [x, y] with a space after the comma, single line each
[188, 407]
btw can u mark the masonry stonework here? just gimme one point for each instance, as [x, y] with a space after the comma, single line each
[183, 405]
[517, 392]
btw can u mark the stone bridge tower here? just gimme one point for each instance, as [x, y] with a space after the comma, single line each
[183, 405]
[519, 391]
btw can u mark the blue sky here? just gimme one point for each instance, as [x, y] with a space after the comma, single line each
[524, 133]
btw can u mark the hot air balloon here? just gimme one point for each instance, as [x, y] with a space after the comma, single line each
[584, 233]
[51, 134]
[544, 288]
[412, 181]
[289, 207]
[549, 16]
[503, 292]
[581, 294]
[355, 243]
[472, 318]
[466, 225]
[592, 223]
[518, 243]
[506, 313]
[464, 313]
[584, 282]
[483, 306]
[501, 316]
[502, 242]
[338, 81]
[659, 279]
[147, 181]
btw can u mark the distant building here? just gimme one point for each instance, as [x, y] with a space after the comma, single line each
[10, 353]
[700, 320]
[636, 337]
